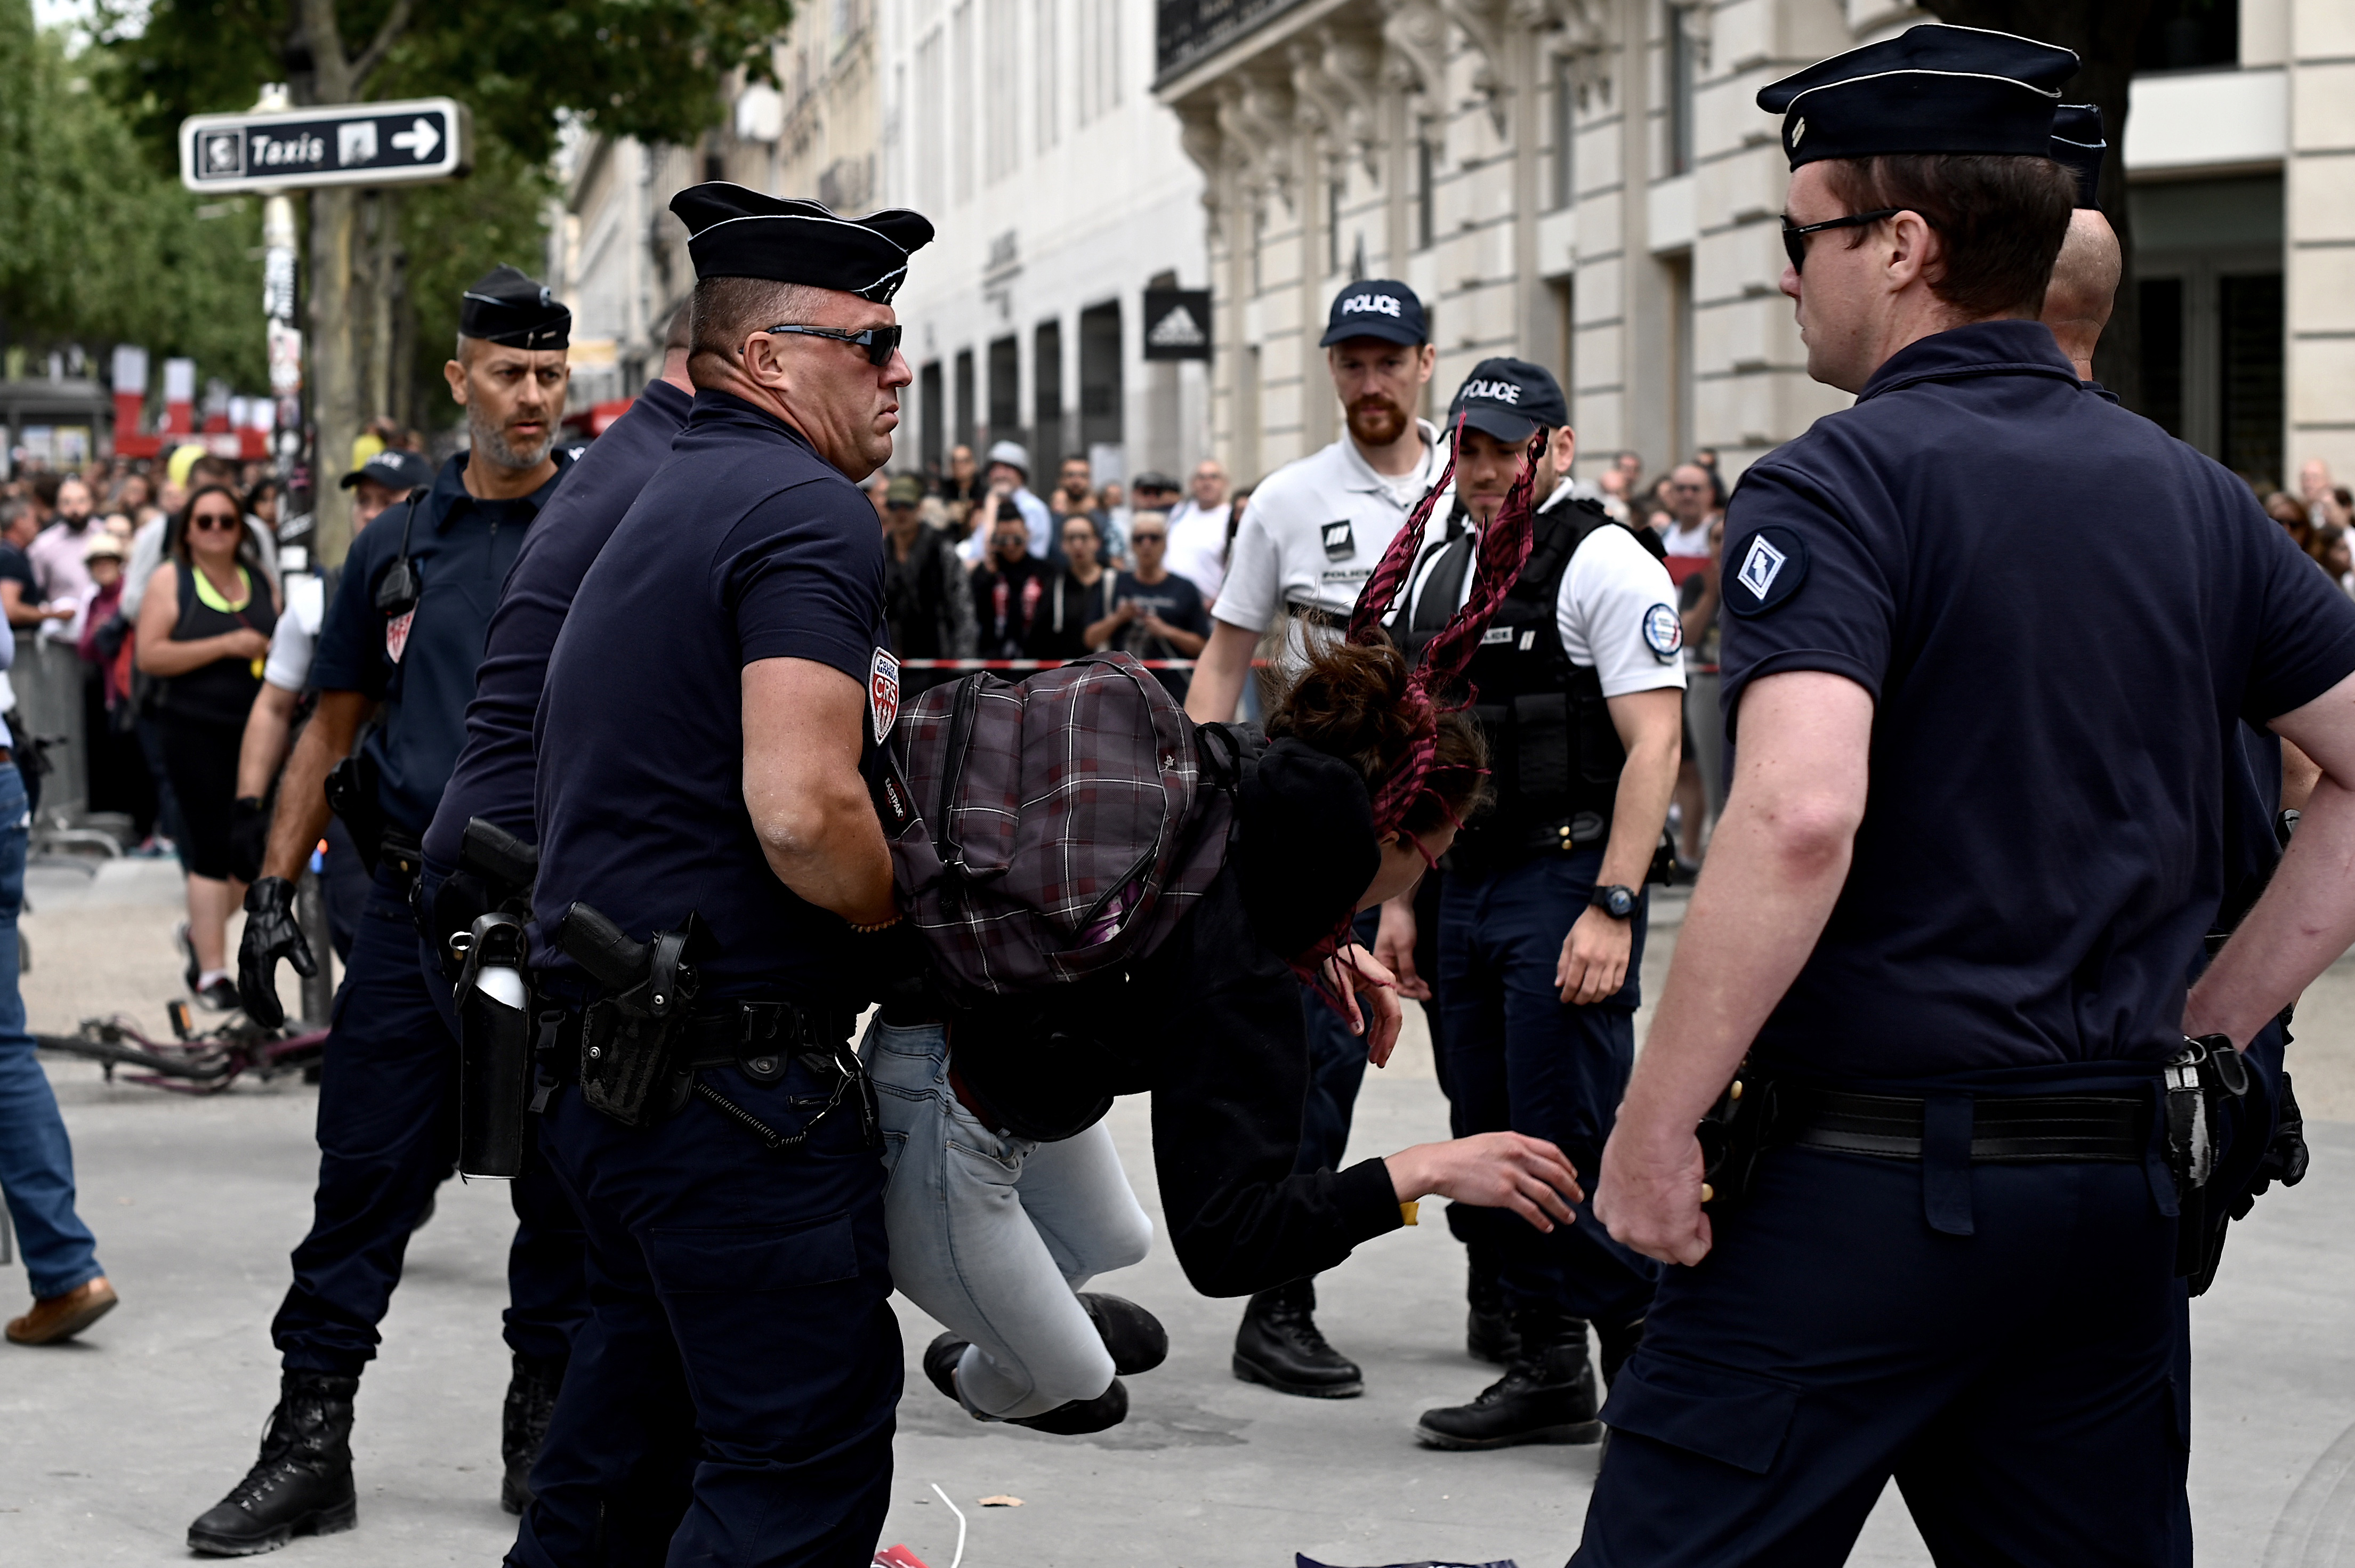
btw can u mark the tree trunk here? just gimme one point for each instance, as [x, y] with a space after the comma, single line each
[335, 367]
[2105, 34]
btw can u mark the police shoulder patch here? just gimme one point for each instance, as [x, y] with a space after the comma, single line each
[1766, 570]
[884, 693]
[1664, 632]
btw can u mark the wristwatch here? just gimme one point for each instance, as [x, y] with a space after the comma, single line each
[1616, 902]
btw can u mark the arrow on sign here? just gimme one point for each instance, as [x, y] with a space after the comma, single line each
[419, 139]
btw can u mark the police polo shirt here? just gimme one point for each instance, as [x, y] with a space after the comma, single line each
[494, 771]
[1615, 611]
[2043, 842]
[744, 546]
[420, 665]
[1315, 530]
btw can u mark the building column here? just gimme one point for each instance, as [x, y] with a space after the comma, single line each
[2318, 254]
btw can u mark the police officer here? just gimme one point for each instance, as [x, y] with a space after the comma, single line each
[699, 745]
[645, 1484]
[401, 642]
[1579, 684]
[1965, 862]
[1308, 543]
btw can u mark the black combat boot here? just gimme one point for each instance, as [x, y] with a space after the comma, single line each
[1075, 1418]
[1488, 1327]
[1278, 1344]
[523, 1427]
[1547, 1395]
[301, 1484]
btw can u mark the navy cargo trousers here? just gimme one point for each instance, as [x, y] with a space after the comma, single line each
[2019, 1382]
[388, 1138]
[738, 1300]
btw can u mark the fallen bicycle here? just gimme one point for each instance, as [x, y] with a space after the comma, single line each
[193, 1061]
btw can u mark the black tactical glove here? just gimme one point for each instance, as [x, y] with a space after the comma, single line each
[249, 836]
[271, 933]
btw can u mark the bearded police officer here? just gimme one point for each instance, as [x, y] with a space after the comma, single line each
[1579, 691]
[1306, 544]
[400, 642]
[712, 883]
[1974, 838]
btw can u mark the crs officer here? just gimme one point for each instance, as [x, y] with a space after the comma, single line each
[1965, 865]
[721, 672]
[1308, 543]
[1579, 688]
[400, 642]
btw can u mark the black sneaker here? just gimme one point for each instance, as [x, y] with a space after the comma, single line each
[1135, 1338]
[523, 1427]
[1075, 1419]
[1549, 1400]
[301, 1484]
[191, 971]
[221, 996]
[941, 1357]
[1278, 1345]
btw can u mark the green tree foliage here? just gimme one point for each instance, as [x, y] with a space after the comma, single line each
[99, 246]
[456, 232]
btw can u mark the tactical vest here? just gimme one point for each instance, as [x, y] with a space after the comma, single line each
[1554, 756]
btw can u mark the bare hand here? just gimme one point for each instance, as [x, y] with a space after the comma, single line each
[1594, 962]
[1492, 1170]
[1648, 1196]
[1394, 947]
[1154, 623]
[1354, 970]
[245, 643]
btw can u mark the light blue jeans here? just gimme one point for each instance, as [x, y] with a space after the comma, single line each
[992, 1235]
[36, 1160]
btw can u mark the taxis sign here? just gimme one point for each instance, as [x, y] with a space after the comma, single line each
[414, 142]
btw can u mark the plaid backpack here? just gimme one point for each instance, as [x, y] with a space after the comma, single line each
[1047, 830]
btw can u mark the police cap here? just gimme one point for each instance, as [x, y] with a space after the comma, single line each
[1509, 398]
[507, 307]
[1933, 89]
[1376, 307]
[736, 232]
[398, 471]
[2078, 142]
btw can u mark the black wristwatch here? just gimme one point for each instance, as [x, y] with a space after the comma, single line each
[1616, 902]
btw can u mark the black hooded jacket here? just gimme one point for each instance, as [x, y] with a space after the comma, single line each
[1211, 1025]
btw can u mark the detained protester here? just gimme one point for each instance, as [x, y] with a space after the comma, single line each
[1972, 1077]
[1006, 1193]
[1542, 903]
[1308, 540]
[400, 643]
[712, 885]
[641, 1473]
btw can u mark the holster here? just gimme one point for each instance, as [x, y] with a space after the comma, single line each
[494, 1049]
[1732, 1136]
[632, 1066]
[351, 791]
[2200, 1078]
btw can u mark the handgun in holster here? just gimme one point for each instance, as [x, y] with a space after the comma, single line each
[495, 871]
[351, 791]
[633, 1067]
[1733, 1137]
[2199, 1080]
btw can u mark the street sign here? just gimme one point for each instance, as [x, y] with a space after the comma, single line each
[409, 143]
[1177, 324]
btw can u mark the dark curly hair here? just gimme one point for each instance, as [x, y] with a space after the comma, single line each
[1352, 702]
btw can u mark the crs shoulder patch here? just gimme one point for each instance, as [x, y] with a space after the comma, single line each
[1772, 565]
[1664, 632]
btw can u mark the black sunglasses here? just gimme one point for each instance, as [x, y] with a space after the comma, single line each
[208, 522]
[880, 342]
[1795, 236]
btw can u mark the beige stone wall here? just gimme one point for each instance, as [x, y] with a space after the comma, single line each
[2319, 204]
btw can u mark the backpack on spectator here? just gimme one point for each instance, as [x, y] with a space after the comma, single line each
[1052, 829]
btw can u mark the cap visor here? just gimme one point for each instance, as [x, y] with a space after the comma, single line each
[354, 477]
[1387, 330]
[1505, 427]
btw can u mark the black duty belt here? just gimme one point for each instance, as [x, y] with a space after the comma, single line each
[2014, 1130]
[402, 853]
[746, 1032]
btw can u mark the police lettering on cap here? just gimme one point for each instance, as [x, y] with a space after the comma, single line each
[1509, 398]
[508, 308]
[1377, 307]
[394, 469]
[1933, 89]
[2079, 142]
[736, 232]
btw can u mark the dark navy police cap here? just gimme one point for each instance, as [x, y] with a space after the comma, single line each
[508, 308]
[736, 232]
[1377, 307]
[398, 471]
[1933, 89]
[2078, 142]
[1509, 398]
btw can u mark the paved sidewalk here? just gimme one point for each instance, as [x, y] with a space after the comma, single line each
[109, 1447]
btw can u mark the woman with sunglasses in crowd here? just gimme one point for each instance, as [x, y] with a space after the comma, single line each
[203, 631]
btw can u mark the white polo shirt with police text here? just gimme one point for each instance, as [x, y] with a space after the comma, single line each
[1315, 531]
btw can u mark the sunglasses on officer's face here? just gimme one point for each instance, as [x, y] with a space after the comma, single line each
[880, 342]
[1794, 235]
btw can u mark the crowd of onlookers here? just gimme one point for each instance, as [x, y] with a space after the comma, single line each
[2320, 517]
